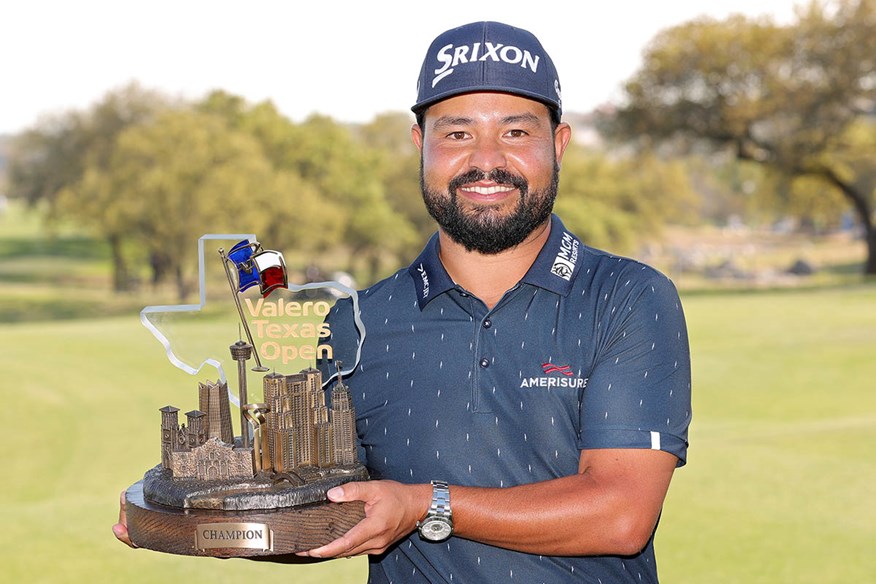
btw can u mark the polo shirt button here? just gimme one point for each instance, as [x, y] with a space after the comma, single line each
[485, 362]
[488, 323]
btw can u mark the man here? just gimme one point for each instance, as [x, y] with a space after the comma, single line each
[546, 382]
[522, 399]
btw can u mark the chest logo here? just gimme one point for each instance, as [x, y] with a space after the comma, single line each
[555, 376]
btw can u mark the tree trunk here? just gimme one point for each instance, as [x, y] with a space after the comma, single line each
[121, 282]
[865, 214]
[182, 287]
[870, 265]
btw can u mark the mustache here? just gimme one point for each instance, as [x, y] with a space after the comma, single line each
[497, 175]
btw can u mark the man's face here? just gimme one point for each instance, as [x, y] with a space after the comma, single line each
[489, 168]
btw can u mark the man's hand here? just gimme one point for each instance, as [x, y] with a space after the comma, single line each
[391, 512]
[120, 529]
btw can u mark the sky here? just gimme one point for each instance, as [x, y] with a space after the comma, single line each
[348, 60]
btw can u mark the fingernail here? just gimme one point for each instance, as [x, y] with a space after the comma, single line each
[335, 492]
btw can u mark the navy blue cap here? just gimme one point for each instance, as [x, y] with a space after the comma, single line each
[488, 56]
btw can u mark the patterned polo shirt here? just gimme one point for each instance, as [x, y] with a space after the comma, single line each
[588, 350]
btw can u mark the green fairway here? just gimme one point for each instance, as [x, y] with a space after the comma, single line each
[779, 484]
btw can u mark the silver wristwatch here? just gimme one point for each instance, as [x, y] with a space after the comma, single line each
[438, 524]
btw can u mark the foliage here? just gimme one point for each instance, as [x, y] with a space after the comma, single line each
[351, 207]
[149, 175]
[798, 99]
[619, 203]
[397, 163]
[183, 173]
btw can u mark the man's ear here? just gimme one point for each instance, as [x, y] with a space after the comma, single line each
[562, 137]
[417, 136]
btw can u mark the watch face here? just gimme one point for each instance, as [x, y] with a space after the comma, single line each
[436, 529]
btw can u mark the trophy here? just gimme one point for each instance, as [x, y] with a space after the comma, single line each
[262, 492]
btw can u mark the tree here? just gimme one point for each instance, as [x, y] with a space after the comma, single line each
[54, 153]
[58, 152]
[168, 181]
[397, 162]
[352, 209]
[299, 216]
[799, 99]
[619, 203]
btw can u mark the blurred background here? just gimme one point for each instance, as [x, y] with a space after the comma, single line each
[731, 144]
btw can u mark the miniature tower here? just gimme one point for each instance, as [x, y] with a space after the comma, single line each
[241, 352]
[273, 387]
[196, 432]
[213, 401]
[343, 423]
[169, 428]
[305, 414]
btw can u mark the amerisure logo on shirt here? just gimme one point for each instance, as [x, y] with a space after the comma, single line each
[555, 376]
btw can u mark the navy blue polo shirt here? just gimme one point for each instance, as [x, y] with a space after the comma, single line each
[589, 350]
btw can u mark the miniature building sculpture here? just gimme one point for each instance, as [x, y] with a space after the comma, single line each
[241, 352]
[296, 430]
[203, 447]
[300, 430]
[343, 424]
[213, 401]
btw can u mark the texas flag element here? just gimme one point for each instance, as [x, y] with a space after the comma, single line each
[272, 270]
[257, 266]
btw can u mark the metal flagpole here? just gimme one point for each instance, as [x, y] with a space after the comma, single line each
[259, 367]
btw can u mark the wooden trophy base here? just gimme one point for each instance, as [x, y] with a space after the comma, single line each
[260, 532]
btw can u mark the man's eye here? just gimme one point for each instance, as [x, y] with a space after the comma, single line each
[517, 133]
[456, 135]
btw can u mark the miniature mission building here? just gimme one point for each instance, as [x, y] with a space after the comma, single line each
[293, 429]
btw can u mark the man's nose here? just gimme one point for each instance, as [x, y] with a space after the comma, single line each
[487, 154]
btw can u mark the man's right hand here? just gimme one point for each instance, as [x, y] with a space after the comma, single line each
[120, 529]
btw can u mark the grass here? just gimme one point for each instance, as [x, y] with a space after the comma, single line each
[778, 487]
[779, 482]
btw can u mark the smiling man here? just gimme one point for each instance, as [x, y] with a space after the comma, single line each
[522, 399]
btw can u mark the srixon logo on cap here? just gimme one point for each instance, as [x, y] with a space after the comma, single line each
[452, 56]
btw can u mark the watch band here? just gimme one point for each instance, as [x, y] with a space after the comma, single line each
[440, 499]
[438, 523]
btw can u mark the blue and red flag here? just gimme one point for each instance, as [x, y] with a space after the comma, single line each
[266, 268]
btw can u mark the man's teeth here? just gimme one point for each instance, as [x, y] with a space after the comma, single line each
[489, 190]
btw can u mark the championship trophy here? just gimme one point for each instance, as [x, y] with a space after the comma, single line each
[262, 492]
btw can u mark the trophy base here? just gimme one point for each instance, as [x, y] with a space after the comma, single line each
[258, 532]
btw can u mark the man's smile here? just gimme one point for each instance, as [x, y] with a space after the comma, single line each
[486, 192]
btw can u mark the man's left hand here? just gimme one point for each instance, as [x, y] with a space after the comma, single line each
[391, 512]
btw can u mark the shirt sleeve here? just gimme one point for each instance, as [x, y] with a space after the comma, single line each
[638, 394]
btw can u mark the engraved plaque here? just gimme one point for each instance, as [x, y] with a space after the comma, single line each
[256, 536]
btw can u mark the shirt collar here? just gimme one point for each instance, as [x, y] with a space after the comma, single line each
[555, 268]
[558, 262]
[428, 273]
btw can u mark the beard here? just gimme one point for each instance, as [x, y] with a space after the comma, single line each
[484, 228]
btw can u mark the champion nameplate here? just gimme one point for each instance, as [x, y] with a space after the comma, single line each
[233, 535]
